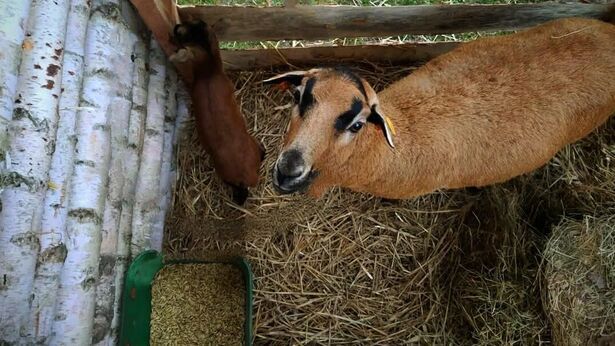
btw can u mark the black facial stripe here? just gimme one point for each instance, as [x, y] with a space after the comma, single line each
[293, 79]
[352, 77]
[345, 119]
[296, 96]
[307, 98]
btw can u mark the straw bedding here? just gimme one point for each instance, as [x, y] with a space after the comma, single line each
[454, 267]
[580, 279]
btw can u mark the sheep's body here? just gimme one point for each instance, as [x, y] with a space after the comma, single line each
[496, 108]
[486, 112]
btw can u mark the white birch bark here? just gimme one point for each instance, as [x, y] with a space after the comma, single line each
[53, 249]
[88, 188]
[184, 104]
[134, 146]
[167, 169]
[148, 182]
[32, 142]
[119, 122]
[13, 20]
[105, 290]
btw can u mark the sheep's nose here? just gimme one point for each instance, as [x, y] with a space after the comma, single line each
[291, 173]
[291, 164]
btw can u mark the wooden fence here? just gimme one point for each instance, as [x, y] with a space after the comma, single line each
[297, 22]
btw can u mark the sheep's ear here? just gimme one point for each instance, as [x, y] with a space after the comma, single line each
[377, 116]
[287, 79]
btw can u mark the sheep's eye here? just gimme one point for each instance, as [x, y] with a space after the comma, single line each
[355, 127]
[296, 96]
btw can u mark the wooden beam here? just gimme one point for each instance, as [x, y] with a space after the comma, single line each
[395, 54]
[322, 22]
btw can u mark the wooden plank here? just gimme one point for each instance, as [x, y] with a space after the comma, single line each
[322, 22]
[395, 54]
[160, 16]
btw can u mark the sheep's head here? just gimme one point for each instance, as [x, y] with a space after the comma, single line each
[335, 123]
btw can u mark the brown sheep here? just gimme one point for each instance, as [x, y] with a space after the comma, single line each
[486, 112]
[222, 131]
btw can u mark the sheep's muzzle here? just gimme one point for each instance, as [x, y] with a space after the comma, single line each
[291, 173]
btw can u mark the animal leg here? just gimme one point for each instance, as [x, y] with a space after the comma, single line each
[263, 151]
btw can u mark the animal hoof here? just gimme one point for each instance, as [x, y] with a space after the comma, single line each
[240, 195]
[182, 55]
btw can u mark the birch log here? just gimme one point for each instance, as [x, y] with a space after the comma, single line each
[134, 146]
[13, 17]
[105, 290]
[119, 122]
[32, 143]
[181, 121]
[76, 295]
[148, 182]
[52, 238]
[184, 104]
[167, 170]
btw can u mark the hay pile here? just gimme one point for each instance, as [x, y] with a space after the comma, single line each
[456, 267]
[580, 278]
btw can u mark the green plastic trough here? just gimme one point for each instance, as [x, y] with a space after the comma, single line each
[137, 296]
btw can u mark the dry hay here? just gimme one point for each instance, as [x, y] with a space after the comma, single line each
[495, 283]
[455, 267]
[580, 280]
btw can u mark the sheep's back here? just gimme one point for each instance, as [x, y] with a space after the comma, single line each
[501, 106]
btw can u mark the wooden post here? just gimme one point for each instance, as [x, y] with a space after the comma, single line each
[394, 54]
[322, 22]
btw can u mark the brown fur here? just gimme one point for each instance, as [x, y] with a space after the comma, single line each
[484, 113]
[222, 131]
